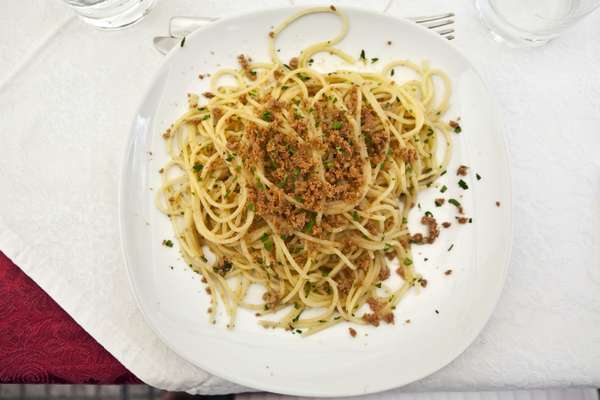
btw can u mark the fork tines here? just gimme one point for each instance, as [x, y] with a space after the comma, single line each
[435, 22]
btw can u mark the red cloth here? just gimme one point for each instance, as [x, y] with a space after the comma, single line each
[40, 343]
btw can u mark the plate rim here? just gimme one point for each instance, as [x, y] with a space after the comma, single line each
[272, 386]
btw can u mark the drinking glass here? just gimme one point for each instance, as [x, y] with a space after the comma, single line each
[111, 14]
[522, 23]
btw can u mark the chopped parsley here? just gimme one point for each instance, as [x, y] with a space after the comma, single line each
[259, 184]
[296, 171]
[207, 116]
[392, 74]
[309, 225]
[407, 261]
[478, 177]
[362, 55]
[455, 203]
[337, 125]
[328, 164]
[387, 247]
[250, 206]
[355, 215]
[267, 241]
[443, 189]
[428, 214]
[198, 167]
[167, 242]
[378, 285]
[182, 43]
[458, 129]
[230, 157]
[463, 184]
[267, 116]
[283, 182]
[374, 60]
[451, 246]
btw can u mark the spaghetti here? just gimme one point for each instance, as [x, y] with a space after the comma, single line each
[300, 183]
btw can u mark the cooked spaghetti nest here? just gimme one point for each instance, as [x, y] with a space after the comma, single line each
[301, 182]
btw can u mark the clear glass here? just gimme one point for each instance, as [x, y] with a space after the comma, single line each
[111, 14]
[523, 23]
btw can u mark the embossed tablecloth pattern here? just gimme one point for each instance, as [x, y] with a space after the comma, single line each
[41, 344]
[67, 94]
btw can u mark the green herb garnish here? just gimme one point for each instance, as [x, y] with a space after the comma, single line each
[198, 167]
[463, 184]
[362, 55]
[168, 243]
[337, 125]
[443, 189]
[267, 241]
[455, 203]
[267, 116]
[310, 224]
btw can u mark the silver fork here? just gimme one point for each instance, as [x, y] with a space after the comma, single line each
[180, 27]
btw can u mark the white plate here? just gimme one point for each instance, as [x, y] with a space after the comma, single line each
[330, 363]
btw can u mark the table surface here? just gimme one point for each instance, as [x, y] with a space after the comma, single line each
[42, 344]
[59, 78]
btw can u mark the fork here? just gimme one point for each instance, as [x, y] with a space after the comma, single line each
[180, 27]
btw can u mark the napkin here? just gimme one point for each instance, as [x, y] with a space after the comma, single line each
[67, 96]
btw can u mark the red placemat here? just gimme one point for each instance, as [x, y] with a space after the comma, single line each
[40, 343]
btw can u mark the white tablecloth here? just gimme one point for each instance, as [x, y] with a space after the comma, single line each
[67, 95]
